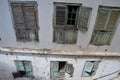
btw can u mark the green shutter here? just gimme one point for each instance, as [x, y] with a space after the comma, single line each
[101, 19]
[112, 20]
[18, 15]
[70, 36]
[28, 68]
[19, 65]
[84, 16]
[60, 16]
[59, 35]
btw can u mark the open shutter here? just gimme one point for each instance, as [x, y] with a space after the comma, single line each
[28, 68]
[60, 16]
[69, 69]
[84, 15]
[19, 65]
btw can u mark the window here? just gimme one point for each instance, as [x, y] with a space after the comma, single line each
[68, 18]
[24, 66]
[90, 68]
[105, 25]
[25, 20]
[59, 68]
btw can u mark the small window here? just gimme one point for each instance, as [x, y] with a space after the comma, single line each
[68, 18]
[105, 25]
[25, 20]
[24, 66]
[59, 68]
[90, 68]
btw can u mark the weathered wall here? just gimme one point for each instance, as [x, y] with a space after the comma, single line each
[45, 15]
[41, 65]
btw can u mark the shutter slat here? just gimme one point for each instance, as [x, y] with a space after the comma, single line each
[60, 15]
[84, 17]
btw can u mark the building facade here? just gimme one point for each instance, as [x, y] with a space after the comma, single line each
[60, 39]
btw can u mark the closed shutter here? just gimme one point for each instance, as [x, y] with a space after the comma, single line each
[70, 36]
[59, 35]
[101, 37]
[25, 19]
[60, 16]
[113, 19]
[18, 16]
[84, 15]
[101, 19]
[30, 16]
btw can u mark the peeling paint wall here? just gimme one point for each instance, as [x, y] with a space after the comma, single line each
[45, 16]
[41, 66]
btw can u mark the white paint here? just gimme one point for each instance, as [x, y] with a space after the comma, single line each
[45, 15]
[41, 66]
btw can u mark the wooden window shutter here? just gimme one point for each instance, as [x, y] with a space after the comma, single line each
[70, 36]
[84, 15]
[60, 16]
[59, 35]
[113, 19]
[101, 37]
[18, 15]
[30, 15]
[101, 19]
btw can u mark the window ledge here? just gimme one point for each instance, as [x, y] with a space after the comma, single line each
[58, 52]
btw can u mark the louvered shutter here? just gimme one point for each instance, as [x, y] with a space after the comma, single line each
[113, 19]
[101, 19]
[59, 35]
[18, 16]
[30, 16]
[84, 16]
[101, 37]
[60, 16]
[70, 36]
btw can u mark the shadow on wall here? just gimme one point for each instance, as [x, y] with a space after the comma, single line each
[5, 71]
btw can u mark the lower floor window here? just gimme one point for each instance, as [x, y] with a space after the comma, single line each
[90, 68]
[25, 66]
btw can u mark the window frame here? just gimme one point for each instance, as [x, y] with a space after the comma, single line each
[36, 29]
[23, 63]
[104, 28]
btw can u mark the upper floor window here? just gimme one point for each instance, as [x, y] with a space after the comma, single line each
[105, 25]
[68, 18]
[25, 20]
